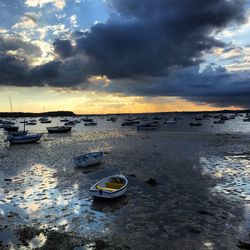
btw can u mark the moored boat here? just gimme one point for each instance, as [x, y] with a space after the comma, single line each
[19, 139]
[45, 120]
[110, 187]
[58, 129]
[88, 159]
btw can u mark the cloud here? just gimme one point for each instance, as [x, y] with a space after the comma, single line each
[60, 4]
[145, 48]
[28, 21]
[215, 85]
[73, 20]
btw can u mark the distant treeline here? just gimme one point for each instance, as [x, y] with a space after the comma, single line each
[70, 113]
[27, 114]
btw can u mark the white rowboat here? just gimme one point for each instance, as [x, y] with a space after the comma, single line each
[110, 187]
[88, 159]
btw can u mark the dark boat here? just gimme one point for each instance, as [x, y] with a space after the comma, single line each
[58, 129]
[64, 120]
[11, 128]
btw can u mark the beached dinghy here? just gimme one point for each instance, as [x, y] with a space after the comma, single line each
[110, 187]
[88, 159]
[19, 139]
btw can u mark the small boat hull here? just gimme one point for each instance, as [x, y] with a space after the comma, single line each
[88, 159]
[58, 130]
[21, 139]
[100, 191]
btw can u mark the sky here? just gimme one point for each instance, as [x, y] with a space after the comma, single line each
[114, 56]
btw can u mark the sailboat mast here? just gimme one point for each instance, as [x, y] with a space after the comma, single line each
[11, 107]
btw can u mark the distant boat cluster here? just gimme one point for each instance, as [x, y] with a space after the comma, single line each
[140, 122]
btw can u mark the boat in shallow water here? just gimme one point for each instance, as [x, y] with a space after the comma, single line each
[110, 187]
[20, 139]
[88, 159]
[58, 129]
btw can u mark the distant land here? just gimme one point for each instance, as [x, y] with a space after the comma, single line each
[30, 114]
[70, 113]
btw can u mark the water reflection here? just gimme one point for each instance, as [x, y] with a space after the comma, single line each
[234, 174]
[104, 205]
[34, 196]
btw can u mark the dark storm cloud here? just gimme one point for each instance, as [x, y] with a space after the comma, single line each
[216, 86]
[63, 48]
[148, 37]
[13, 70]
[141, 44]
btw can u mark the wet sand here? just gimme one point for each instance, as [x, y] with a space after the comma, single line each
[186, 191]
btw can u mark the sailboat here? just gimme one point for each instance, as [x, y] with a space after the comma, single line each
[19, 137]
[9, 127]
[23, 137]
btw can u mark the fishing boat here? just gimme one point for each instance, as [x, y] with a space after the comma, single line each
[148, 126]
[19, 139]
[110, 187]
[58, 129]
[88, 159]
